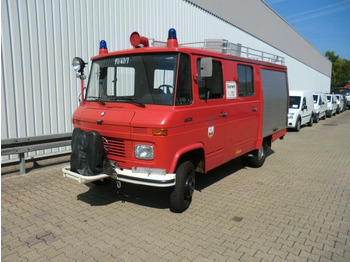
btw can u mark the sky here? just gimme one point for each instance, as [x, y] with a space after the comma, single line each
[323, 23]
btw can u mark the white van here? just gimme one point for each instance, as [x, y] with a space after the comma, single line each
[320, 106]
[340, 103]
[301, 109]
[331, 105]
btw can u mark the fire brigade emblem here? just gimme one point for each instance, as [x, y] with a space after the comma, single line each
[210, 132]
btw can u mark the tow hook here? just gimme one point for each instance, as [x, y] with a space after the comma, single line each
[119, 184]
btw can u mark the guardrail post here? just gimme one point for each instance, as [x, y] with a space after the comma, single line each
[22, 163]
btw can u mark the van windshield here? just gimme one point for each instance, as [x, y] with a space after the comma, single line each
[315, 98]
[141, 79]
[294, 102]
[329, 99]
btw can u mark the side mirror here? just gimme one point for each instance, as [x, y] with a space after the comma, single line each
[78, 66]
[206, 67]
[304, 107]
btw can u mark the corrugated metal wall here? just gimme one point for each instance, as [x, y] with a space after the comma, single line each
[40, 38]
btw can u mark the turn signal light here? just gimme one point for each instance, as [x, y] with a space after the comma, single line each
[160, 131]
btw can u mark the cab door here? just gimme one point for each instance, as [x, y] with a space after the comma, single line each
[211, 113]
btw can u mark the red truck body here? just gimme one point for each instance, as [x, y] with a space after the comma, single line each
[210, 123]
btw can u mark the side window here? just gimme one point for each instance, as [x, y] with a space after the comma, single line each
[245, 80]
[304, 102]
[184, 82]
[212, 87]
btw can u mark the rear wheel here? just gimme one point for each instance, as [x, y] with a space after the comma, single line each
[298, 125]
[317, 118]
[259, 156]
[181, 196]
[311, 122]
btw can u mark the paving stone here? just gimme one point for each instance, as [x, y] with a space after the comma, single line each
[294, 208]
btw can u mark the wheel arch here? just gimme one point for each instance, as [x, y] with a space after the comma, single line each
[195, 153]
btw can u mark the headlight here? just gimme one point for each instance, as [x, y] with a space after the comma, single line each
[78, 64]
[144, 152]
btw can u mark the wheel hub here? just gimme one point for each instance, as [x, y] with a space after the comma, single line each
[189, 186]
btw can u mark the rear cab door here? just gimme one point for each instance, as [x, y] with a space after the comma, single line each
[243, 108]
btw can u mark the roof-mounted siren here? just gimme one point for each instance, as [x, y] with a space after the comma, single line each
[103, 47]
[137, 41]
[172, 39]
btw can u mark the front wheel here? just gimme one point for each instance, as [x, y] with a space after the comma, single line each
[181, 196]
[259, 156]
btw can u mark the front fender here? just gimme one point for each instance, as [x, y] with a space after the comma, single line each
[183, 151]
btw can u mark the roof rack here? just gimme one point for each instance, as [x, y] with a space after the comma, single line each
[225, 47]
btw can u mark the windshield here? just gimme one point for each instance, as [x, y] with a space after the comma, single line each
[140, 79]
[294, 102]
[329, 99]
[315, 98]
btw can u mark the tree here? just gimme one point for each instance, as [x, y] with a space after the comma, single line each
[340, 70]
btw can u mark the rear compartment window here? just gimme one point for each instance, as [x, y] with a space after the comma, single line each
[213, 86]
[245, 80]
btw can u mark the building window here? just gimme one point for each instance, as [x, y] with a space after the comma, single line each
[245, 80]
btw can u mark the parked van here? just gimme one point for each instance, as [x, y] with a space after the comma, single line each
[340, 103]
[320, 106]
[155, 116]
[331, 105]
[301, 109]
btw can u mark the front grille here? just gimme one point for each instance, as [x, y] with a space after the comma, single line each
[115, 147]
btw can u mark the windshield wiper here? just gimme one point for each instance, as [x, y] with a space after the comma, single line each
[98, 100]
[130, 100]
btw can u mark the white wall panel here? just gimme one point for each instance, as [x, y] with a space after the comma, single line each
[41, 37]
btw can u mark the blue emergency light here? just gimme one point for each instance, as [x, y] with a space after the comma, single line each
[172, 34]
[103, 44]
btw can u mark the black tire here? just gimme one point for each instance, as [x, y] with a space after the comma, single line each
[324, 117]
[298, 125]
[181, 196]
[317, 118]
[311, 122]
[259, 156]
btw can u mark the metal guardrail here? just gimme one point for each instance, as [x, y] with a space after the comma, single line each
[24, 145]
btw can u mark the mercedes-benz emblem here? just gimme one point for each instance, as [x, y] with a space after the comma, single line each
[103, 113]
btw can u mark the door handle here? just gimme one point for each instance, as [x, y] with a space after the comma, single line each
[254, 109]
[223, 114]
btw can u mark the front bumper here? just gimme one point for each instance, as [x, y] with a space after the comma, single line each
[141, 176]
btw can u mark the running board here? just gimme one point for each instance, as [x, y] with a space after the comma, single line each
[80, 178]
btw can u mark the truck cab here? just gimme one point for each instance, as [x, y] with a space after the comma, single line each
[155, 116]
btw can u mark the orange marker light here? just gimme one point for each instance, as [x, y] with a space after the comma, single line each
[160, 131]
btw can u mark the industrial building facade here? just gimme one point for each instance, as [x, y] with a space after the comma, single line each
[39, 90]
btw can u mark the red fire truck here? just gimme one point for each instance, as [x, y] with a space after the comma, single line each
[156, 114]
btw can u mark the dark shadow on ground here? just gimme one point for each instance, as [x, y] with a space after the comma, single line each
[105, 194]
[108, 193]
